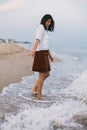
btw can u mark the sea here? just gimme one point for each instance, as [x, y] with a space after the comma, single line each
[64, 106]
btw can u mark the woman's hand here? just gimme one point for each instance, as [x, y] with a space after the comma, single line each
[31, 53]
[51, 58]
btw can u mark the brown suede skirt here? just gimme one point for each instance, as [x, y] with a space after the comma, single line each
[41, 61]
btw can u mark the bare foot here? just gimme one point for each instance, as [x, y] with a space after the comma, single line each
[39, 96]
[34, 92]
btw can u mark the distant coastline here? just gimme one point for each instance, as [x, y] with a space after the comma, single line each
[13, 41]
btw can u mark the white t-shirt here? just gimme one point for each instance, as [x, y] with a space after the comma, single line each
[43, 36]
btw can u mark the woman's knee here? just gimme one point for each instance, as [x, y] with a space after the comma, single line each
[47, 74]
[44, 75]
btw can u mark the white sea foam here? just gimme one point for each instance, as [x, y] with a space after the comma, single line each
[60, 114]
[44, 118]
[78, 87]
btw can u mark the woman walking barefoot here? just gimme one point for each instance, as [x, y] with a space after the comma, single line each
[41, 53]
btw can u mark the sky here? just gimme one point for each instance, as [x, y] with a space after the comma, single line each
[19, 19]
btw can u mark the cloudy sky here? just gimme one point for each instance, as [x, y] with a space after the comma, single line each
[19, 19]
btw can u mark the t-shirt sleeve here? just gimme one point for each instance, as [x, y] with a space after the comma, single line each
[39, 32]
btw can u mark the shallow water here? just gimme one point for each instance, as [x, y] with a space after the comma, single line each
[65, 98]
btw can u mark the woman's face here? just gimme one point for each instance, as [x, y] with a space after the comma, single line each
[48, 23]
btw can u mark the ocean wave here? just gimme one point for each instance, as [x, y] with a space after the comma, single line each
[78, 88]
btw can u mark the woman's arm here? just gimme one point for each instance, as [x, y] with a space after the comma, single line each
[50, 56]
[32, 52]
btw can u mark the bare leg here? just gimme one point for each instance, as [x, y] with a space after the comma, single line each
[39, 83]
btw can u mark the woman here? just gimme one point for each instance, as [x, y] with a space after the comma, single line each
[41, 53]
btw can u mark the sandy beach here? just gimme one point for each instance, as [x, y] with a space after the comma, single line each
[14, 64]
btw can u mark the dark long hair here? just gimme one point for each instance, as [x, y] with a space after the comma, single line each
[44, 19]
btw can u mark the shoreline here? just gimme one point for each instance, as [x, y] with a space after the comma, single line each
[14, 64]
